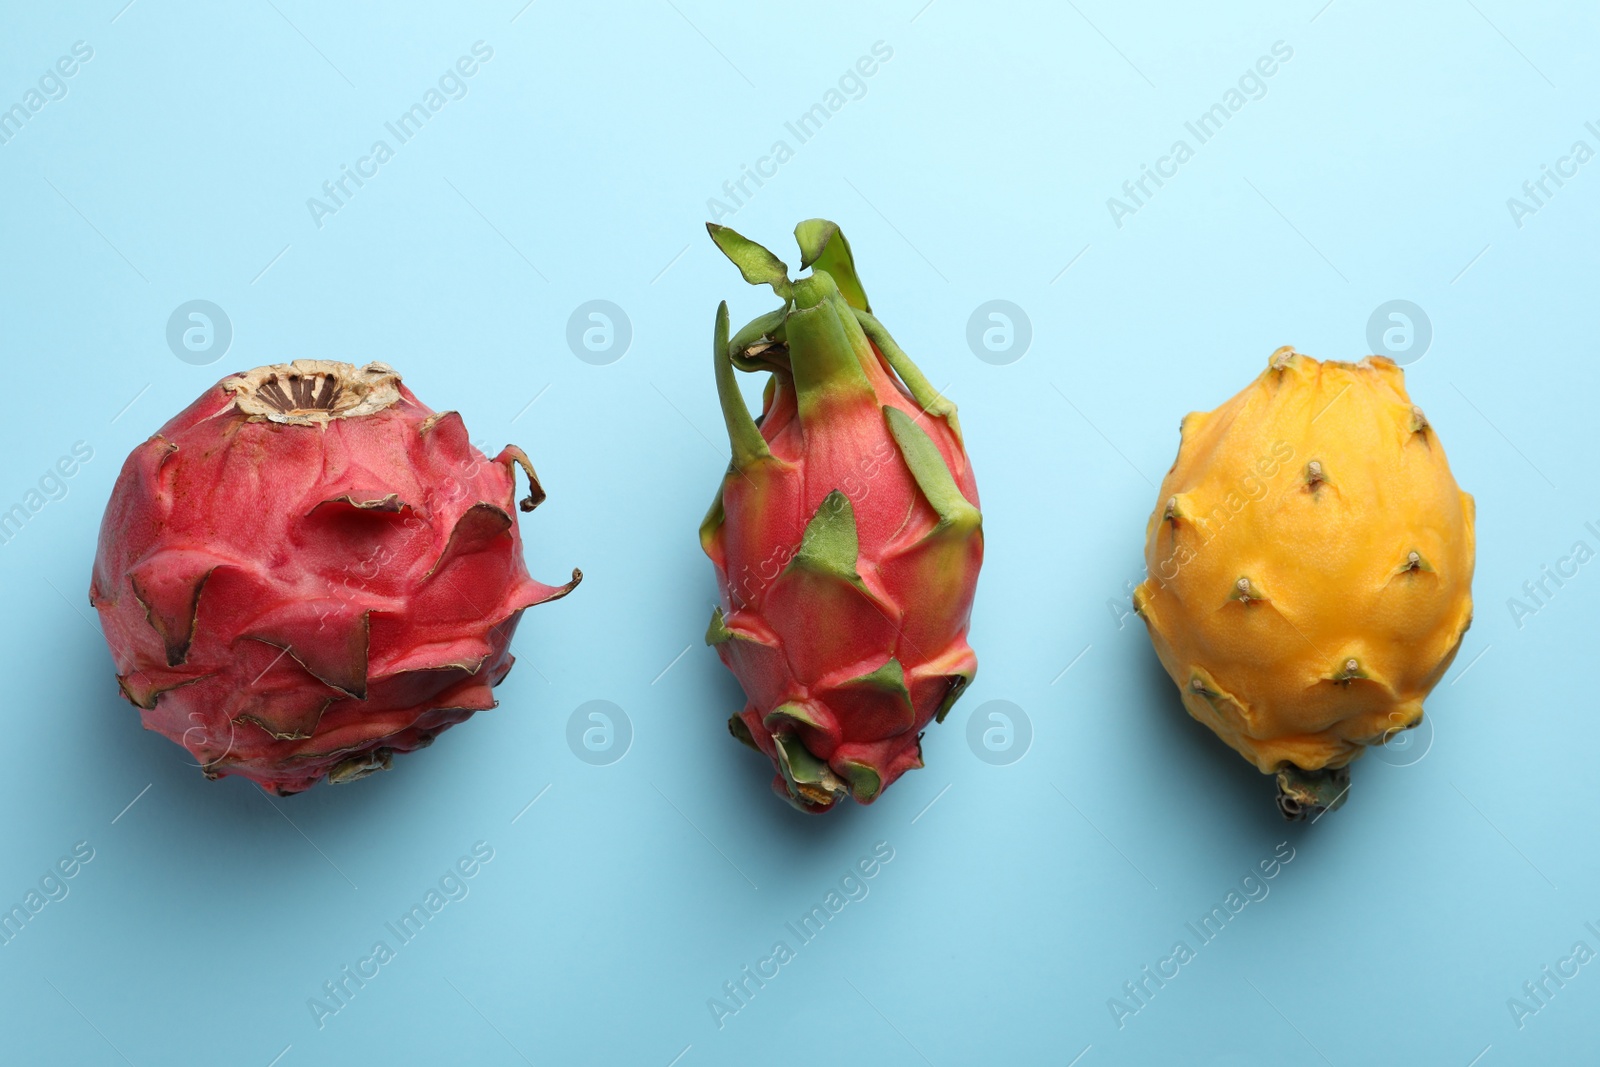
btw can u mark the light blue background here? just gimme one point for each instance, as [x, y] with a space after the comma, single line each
[976, 166]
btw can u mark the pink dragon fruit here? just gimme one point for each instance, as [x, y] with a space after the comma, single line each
[846, 534]
[308, 571]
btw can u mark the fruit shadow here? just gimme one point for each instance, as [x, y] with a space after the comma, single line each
[1220, 786]
[803, 839]
[192, 820]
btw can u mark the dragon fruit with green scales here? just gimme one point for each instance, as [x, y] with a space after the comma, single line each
[846, 534]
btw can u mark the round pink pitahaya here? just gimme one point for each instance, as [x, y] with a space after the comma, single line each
[308, 571]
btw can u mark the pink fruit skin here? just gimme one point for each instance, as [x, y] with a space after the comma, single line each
[287, 601]
[808, 638]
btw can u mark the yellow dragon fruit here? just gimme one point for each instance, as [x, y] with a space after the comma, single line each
[1309, 569]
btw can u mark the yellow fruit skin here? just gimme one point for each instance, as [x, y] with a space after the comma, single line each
[1326, 555]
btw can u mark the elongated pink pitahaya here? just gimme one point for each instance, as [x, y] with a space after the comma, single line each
[846, 534]
[308, 570]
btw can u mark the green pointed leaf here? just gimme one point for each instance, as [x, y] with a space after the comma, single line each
[932, 475]
[865, 783]
[957, 685]
[889, 678]
[715, 516]
[814, 291]
[830, 545]
[787, 716]
[810, 780]
[823, 245]
[743, 434]
[759, 266]
[828, 351]
[813, 236]
[765, 327]
[718, 633]
[927, 397]
[741, 732]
